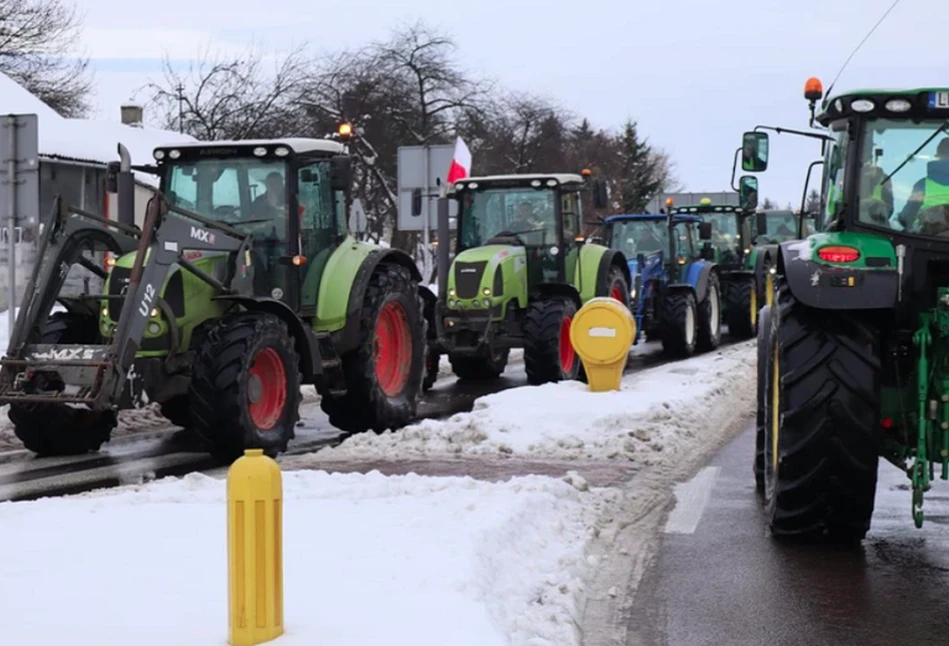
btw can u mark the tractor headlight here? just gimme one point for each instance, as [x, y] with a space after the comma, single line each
[154, 328]
[175, 154]
[451, 292]
[452, 303]
[487, 303]
[632, 293]
[486, 291]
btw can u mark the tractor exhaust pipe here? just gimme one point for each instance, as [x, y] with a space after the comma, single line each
[444, 242]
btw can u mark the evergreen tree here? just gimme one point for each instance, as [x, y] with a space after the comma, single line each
[641, 177]
[768, 204]
[813, 202]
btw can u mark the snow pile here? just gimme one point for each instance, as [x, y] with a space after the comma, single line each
[656, 410]
[368, 559]
[85, 139]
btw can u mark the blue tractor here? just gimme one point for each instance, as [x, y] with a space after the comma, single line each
[676, 293]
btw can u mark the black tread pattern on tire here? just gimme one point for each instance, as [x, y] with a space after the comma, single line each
[710, 333]
[218, 390]
[738, 307]
[764, 367]
[480, 368]
[542, 341]
[829, 435]
[365, 406]
[57, 429]
[617, 279]
[177, 410]
[675, 306]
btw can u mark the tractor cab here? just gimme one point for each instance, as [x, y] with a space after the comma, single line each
[780, 226]
[731, 233]
[539, 214]
[288, 193]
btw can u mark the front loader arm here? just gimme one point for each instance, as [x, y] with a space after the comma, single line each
[167, 234]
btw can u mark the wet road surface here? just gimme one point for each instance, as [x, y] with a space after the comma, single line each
[719, 579]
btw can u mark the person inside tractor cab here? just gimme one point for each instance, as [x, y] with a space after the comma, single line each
[272, 202]
[927, 209]
[646, 240]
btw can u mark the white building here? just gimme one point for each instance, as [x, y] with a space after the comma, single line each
[74, 154]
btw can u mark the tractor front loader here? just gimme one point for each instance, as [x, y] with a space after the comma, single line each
[218, 308]
[854, 354]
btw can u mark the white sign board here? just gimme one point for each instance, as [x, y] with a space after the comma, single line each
[358, 222]
[423, 167]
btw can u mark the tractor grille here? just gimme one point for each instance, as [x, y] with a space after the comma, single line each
[468, 278]
[117, 282]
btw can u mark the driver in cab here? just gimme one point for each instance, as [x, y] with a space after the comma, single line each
[526, 223]
[271, 205]
[930, 197]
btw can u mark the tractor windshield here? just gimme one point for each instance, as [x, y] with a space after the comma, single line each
[248, 193]
[633, 237]
[901, 187]
[725, 234]
[525, 213]
[782, 226]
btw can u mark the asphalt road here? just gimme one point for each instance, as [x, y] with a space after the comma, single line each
[719, 579]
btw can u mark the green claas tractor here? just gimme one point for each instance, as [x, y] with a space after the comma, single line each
[522, 270]
[241, 285]
[854, 351]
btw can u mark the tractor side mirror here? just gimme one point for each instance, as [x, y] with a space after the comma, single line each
[754, 152]
[341, 173]
[601, 195]
[416, 202]
[761, 224]
[705, 230]
[112, 178]
[748, 192]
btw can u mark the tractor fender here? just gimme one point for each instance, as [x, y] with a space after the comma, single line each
[348, 338]
[763, 260]
[609, 258]
[307, 345]
[429, 302]
[697, 277]
[549, 290]
[825, 286]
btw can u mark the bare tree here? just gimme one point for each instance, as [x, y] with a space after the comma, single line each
[222, 98]
[38, 40]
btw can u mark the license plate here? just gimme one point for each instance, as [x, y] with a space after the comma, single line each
[939, 100]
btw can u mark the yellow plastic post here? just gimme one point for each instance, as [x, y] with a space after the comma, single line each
[601, 333]
[255, 549]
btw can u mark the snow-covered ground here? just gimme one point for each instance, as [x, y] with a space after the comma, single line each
[655, 411]
[368, 559]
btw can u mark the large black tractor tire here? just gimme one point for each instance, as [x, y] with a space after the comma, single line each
[58, 429]
[764, 367]
[548, 352]
[384, 374]
[484, 367]
[245, 386]
[617, 286]
[680, 323]
[177, 410]
[827, 390]
[710, 316]
[742, 308]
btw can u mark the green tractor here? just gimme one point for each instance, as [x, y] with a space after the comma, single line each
[241, 285]
[853, 354]
[522, 270]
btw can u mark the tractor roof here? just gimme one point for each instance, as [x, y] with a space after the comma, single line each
[650, 217]
[706, 208]
[524, 179]
[915, 103]
[296, 144]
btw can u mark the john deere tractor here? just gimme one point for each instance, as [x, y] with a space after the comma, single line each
[854, 350]
[241, 285]
[521, 272]
[676, 293]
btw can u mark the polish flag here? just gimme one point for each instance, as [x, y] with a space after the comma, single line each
[460, 163]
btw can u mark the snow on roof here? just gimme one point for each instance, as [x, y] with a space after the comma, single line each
[296, 144]
[85, 140]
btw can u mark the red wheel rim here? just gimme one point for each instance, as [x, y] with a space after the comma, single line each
[567, 353]
[393, 349]
[267, 394]
[616, 293]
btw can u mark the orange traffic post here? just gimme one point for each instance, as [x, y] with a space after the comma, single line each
[255, 549]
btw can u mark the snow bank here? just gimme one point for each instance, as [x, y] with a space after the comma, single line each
[368, 560]
[656, 410]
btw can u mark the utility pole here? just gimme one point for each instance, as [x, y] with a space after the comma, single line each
[181, 110]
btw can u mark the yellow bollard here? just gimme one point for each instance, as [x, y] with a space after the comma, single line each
[601, 333]
[254, 549]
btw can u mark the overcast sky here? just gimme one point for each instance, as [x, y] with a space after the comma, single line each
[693, 73]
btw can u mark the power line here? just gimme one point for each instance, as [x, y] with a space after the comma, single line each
[865, 39]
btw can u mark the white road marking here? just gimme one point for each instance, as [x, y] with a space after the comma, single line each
[691, 499]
